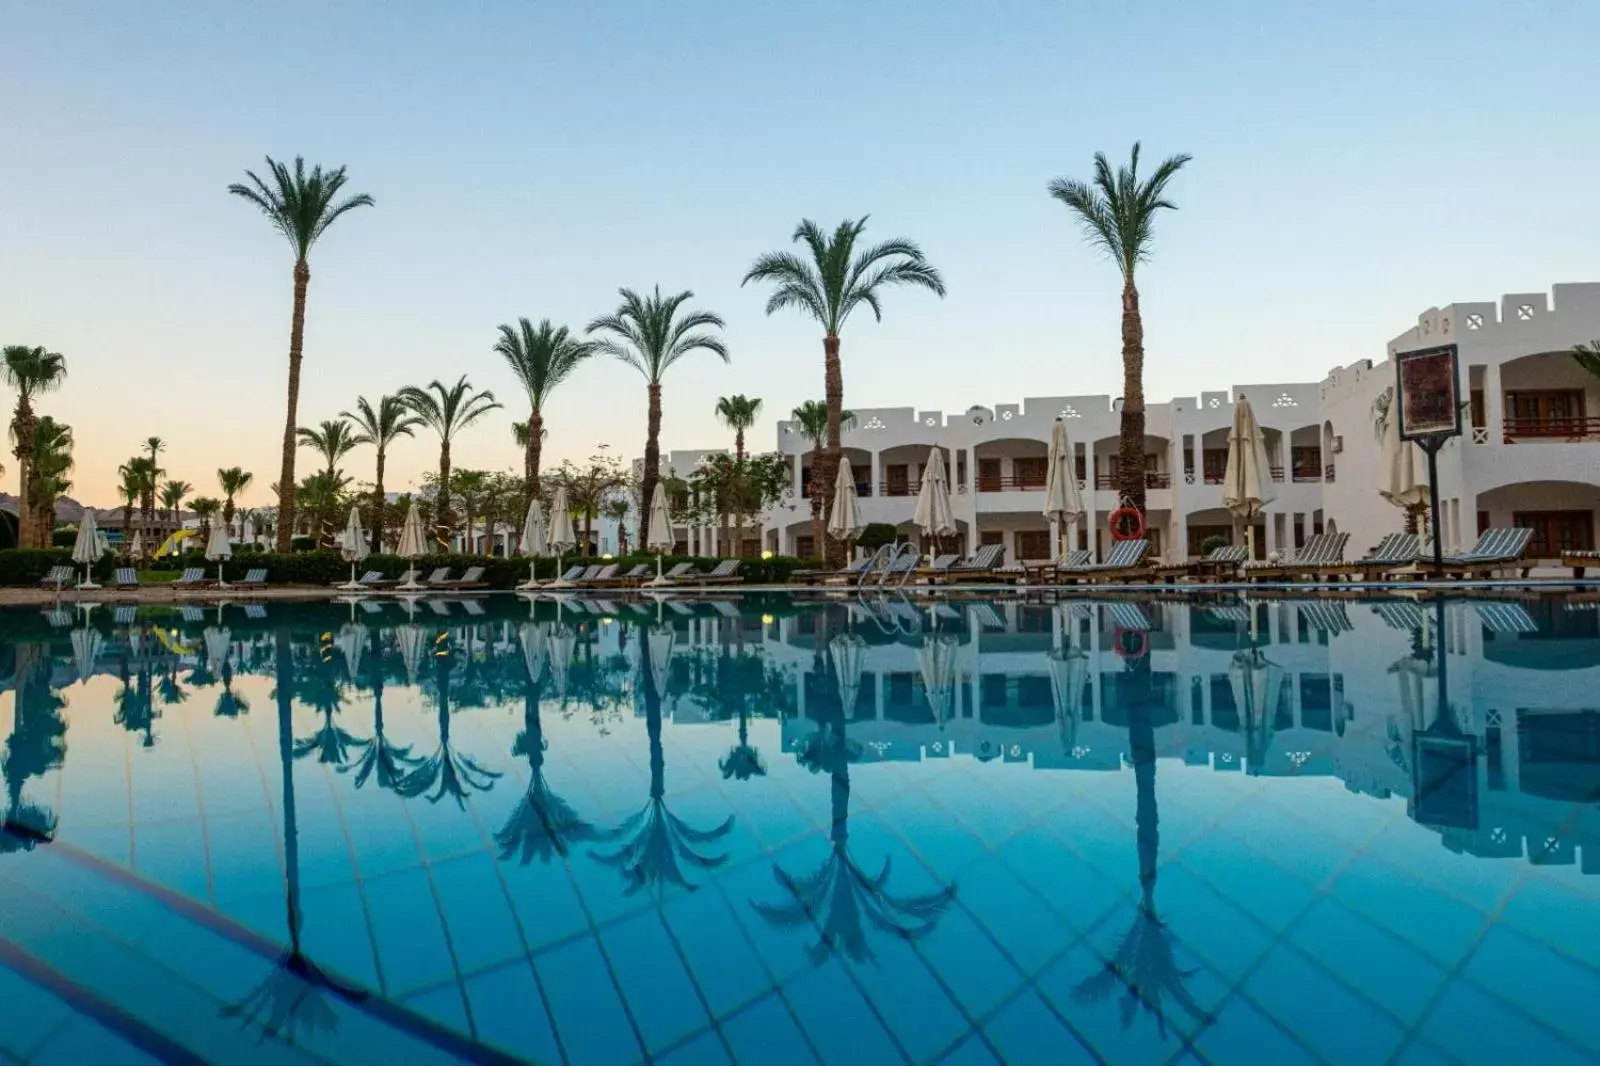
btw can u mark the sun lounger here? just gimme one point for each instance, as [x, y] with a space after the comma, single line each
[254, 610]
[724, 573]
[1045, 573]
[1580, 561]
[125, 615]
[1501, 548]
[56, 577]
[987, 617]
[471, 579]
[1214, 564]
[1126, 560]
[1321, 552]
[191, 614]
[438, 606]
[980, 565]
[254, 578]
[1327, 615]
[1510, 618]
[1392, 552]
[1401, 614]
[124, 577]
[439, 577]
[1127, 616]
[374, 579]
[636, 576]
[472, 607]
[606, 574]
[58, 617]
[192, 578]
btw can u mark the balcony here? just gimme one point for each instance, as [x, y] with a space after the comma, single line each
[1550, 430]
[1152, 480]
[1010, 483]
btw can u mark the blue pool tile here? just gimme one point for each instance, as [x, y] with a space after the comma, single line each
[334, 932]
[412, 949]
[1020, 922]
[970, 1052]
[836, 1018]
[1077, 892]
[720, 957]
[1026, 1030]
[1262, 888]
[509, 1013]
[589, 1014]
[442, 1005]
[784, 947]
[1242, 1036]
[1478, 1028]
[766, 1033]
[31, 1014]
[1308, 849]
[908, 997]
[1321, 1010]
[659, 990]
[1558, 991]
[546, 902]
[704, 1050]
[1226, 938]
[1441, 927]
[1555, 915]
[969, 963]
[1418, 1052]
[85, 1042]
[1483, 883]
[1124, 1026]
[476, 911]
[1395, 976]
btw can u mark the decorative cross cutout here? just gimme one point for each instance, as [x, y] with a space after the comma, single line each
[1480, 434]
[930, 421]
[1524, 312]
[874, 423]
[1474, 321]
[1006, 415]
[1214, 402]
[1285, 400]
[977, 420]
[1070, 412]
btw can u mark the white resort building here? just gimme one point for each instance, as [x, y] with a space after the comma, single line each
[1529, 456]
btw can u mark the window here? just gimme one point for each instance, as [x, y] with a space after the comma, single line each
[1475, 402]
[897, 482]
[804, 547]
[1033, 544]
[1483, 522]
[1214, 464]
[994, 691]
[992, 536]
[1306, 463]
[1555, 532]
[1030, 472]
[1552, 413]
[988, 475]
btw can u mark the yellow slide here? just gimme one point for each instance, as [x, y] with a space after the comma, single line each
[170, 545]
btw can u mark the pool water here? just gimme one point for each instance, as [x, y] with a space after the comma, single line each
[764, 830]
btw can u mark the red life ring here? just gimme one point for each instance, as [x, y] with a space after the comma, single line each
[1121, 647]
[1120, 531]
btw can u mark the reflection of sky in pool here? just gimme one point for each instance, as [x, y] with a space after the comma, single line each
[765, 831]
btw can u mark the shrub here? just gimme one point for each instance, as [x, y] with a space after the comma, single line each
[303, 544]
[25, 566]
[875, 535]
[1212, 543]
[64, 538]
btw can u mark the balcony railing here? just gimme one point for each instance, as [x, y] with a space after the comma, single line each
[1552, 430]
[1153, 479]
[1010, 483]
[909, 487]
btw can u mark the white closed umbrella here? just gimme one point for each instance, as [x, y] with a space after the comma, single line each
[219, 548]
[1063, 500]
[658, 532]
[353, 638]
[1247, 482]
[562, 535]
[535, 649]
[413, 545]
[937, 658]
[934, 516]
[86, 646]
[848, 652]
[1400, 463]
[535, 540]
[353, 548]
[136, 545]
[844, 519]
[87, 548]
[413, 644]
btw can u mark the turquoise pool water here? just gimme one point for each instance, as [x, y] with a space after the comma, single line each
[764, 830]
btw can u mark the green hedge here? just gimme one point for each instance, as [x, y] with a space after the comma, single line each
[25, 566]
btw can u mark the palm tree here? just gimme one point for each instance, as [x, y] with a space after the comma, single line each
[233, 480]
[332, 440]
[471, 487]
[153, 474]
[828, 286]
[648, 334]
[447, 411]
[738, 413]
[541, 359]
[812, 417]
[300, 206]
[380, 427]
[128, 488]
[173, 494]
[48, 479]
[1117, 215]
[205, 509]
[1587, 356]
[32, 372]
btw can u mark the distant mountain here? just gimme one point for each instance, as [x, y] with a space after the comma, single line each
[70, 511]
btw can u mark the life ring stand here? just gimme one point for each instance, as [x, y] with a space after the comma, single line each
[1126, 523]
[1120, 645]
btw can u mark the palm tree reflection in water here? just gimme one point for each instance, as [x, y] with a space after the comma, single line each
[655, 841]
[447, 771]
[841, 897]
[290, 1002]
[1144, 966]
[379, 761]
[37, 744]
[318, 686]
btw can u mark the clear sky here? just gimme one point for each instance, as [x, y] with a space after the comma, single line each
[1355, 163]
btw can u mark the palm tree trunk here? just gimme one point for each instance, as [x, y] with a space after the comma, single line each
[530, 457]
[379, 499]
[441, 512]
[1130, 456]
[814, 489]
[297, 333]
[652, 458]
[127, 524]
[22, 428]
[833, 552]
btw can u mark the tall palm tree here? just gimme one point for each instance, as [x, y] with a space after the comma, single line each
[828, 284]
[380, 427]
[541, 358]
[813, 419]
[233, 480]
[128, 488]
[447, 411]
[152, 478]
[649, 334]
[32, 372]
[301, 206]
[738, 413]
[173, 493]
[48, 480]
[1117, 215]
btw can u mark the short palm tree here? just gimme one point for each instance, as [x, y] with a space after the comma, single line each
[233, 481]
[1117, 215]
[301, 206]
[542, 358]
[447, 411]
[380, 426]
[332, 440]
[812, 417]
[543, 824]
[49, 478]
[173, 493]
[829, 283]
[738, 413]
[205, 508]
[648, 333]
[1587, 356]
[32, 372]
[128, 486]
[380, 761]
[448, 771]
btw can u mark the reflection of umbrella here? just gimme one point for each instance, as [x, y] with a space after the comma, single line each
[86, 646]
[352, 642]
[938, 660]
[87, 549]
[1067, 670]
[535, 649]
[219, 641]
[353, 547]
[845, 517]
[413, 644]
[1254, 680]
[413, 545]
[659, 533]
[661, 641]
[562, 536]
[562, 643]
[1063, 501]
[934, 516]
[1247, 480]
[534, 542]
[848, 652]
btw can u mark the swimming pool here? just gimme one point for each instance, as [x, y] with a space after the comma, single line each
[766, 830]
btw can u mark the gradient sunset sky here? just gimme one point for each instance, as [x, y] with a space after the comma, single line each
[1355, 163]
